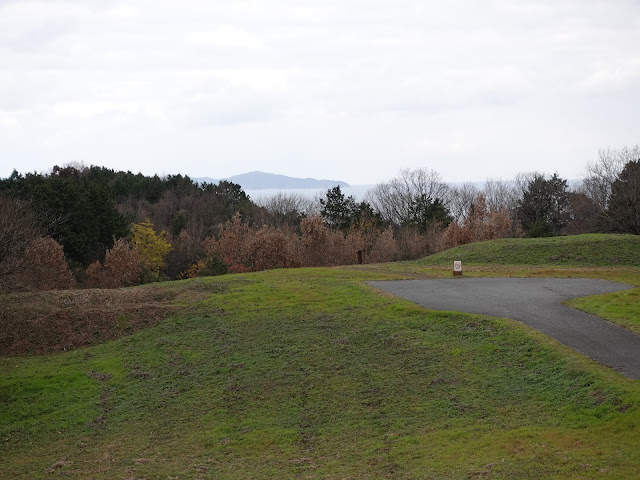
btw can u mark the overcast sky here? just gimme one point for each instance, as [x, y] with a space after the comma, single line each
[350, 89]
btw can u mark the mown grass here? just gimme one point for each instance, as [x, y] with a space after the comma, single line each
[622, 308]
[614, 257]
[311, 373]
[589, 250]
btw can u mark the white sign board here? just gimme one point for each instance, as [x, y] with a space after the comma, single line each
[457, 266]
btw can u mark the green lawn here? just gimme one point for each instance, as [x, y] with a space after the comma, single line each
[310, 373]
[590, 250]
[622, 308]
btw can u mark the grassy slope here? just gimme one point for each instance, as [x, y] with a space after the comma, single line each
[590, 250]
[312, 374]
[593, 250]
[615, 257]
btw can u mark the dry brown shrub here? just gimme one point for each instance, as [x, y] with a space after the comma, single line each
[121, 267]
[233, 245]
[384, 248]
[333, 252]
[454, 235]
[244, 248]
[320, 246]
[269, 248]
[210, 265]
[122, 264]
[479, 225]
[44, 267]
[353, 242]
[411, 243]
[193, 271]
[313, 242]
[94, 275]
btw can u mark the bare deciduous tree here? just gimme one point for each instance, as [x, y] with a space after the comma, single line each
[284, 210]
[394, 199]
[461, 199]
[601, 173]
[19, 226]
[500, 195]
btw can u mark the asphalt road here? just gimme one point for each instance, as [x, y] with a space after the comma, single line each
[535, 302]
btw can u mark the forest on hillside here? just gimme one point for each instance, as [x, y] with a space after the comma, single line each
[93, 227]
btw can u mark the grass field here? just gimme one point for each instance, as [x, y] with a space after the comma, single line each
[311, 373]
[592, 250]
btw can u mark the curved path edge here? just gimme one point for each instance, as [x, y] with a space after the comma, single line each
[535, 302]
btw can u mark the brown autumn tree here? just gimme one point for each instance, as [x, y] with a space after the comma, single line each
[121, 268]
[313, 242]
[270, 248]
[384, 247]
[44, 267]
[480, 224]
[233, 245]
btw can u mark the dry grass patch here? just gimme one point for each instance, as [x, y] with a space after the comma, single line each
[54, 321]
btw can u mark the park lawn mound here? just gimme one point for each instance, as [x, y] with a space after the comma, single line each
[588, 250]
[311, 373]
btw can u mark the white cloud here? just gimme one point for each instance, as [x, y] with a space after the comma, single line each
[612, 76]
[361, 87]
[223, 37]
[224, 105]
[8, 121]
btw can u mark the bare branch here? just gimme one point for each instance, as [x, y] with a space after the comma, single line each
[19, 226]
[393, 199]
[601, 173]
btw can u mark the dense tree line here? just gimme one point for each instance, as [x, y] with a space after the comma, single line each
[112, 228]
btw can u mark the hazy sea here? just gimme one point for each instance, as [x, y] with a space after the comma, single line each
[357, 191]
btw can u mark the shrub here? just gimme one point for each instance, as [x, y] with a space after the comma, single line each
[479, 225]
[313, 242]
[384, 247]
[244, 248]
[44, 267]
[269, 248]
[232, 246]
[411, 243]
[121, 267]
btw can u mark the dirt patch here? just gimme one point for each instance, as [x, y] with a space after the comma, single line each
[55, 321]
[102, 377]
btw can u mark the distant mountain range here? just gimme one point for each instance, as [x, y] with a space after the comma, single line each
[268, 181]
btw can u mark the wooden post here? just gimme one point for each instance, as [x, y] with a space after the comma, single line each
[360, 259]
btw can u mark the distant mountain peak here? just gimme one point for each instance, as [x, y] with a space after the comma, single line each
[271, 181]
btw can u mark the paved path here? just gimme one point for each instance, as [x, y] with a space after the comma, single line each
[535, 302]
